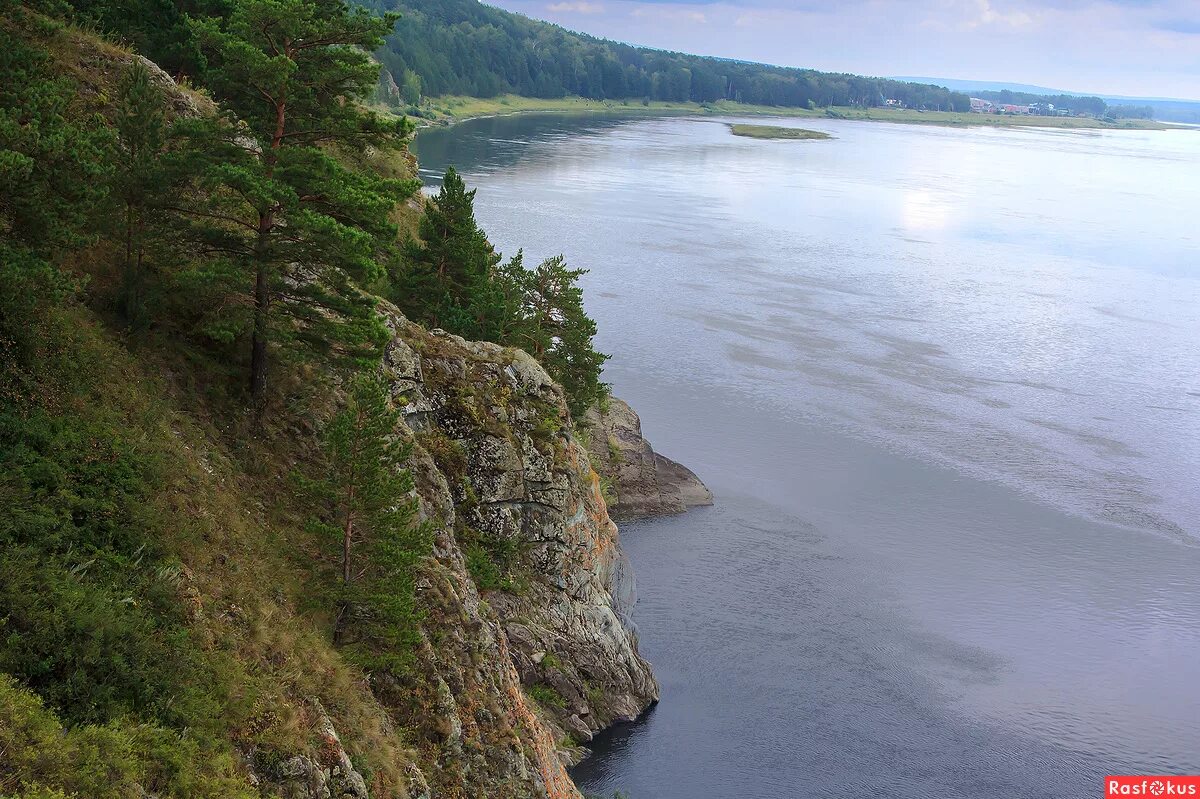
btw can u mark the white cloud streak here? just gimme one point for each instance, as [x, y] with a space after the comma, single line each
[576, 7]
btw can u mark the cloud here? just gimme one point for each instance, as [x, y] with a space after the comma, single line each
[751, 18]
[774, 17]
[673, 14]
[986, 15]
[577, 7]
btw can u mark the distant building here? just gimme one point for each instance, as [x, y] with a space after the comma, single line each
[1015, 109]
[980, 106]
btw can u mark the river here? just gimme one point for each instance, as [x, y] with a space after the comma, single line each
[945, 386]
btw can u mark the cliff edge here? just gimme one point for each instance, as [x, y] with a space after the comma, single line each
[641, 481]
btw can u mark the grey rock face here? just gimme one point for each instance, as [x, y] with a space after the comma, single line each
[643, 482]
[527, 653]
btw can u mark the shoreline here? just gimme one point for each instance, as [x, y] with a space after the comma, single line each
[453, 110]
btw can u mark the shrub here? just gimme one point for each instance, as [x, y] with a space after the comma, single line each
[545, 696]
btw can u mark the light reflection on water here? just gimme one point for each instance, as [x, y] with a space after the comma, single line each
[946, 386]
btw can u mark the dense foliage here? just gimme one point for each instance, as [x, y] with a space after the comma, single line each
[157, 29]
[90, 617]
[546, 317]
[444, 275]
[465, 47]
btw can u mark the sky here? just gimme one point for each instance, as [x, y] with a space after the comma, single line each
[1147, 48]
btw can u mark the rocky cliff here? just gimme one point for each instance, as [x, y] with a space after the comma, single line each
[526, 650]
[641, 482]
[526, 647]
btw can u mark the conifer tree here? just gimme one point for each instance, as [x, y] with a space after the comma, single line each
[554, 328]
[53, 172]
[298, 228]
[372, 521]
[444, 276]
[139, 182]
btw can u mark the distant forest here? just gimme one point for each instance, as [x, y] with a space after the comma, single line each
[444, 47]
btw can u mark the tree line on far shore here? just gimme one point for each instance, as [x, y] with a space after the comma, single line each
[465, 47]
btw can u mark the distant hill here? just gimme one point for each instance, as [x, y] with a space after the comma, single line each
[990, 86]
[464, 47]
[1169, 109]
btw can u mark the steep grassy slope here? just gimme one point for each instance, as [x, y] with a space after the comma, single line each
[153, 588]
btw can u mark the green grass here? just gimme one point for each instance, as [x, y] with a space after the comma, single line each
[451, 109]
[774, 132]
[545, 696]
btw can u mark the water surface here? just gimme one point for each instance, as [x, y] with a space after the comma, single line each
[944, 384]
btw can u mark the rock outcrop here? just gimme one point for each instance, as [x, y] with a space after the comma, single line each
[329, 776]
[527, 650]
[641, 482]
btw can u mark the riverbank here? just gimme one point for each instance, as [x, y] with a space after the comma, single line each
[453, 109]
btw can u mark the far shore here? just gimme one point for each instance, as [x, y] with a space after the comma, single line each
[451, 110]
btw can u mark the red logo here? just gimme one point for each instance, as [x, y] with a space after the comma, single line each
[1151, 786]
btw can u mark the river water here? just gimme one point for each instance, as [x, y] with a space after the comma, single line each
[945, 386]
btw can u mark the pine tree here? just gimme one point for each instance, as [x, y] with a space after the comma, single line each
[54, 162]
[558, 332]
[283, 211]
[444, 277]
[139, 182]
[372, 521]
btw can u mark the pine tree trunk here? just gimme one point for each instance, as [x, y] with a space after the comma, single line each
[262, 288]
[339, 624]
[347, 537]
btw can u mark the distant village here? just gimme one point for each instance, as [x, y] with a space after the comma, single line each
[1040, 109]
[980, 106]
